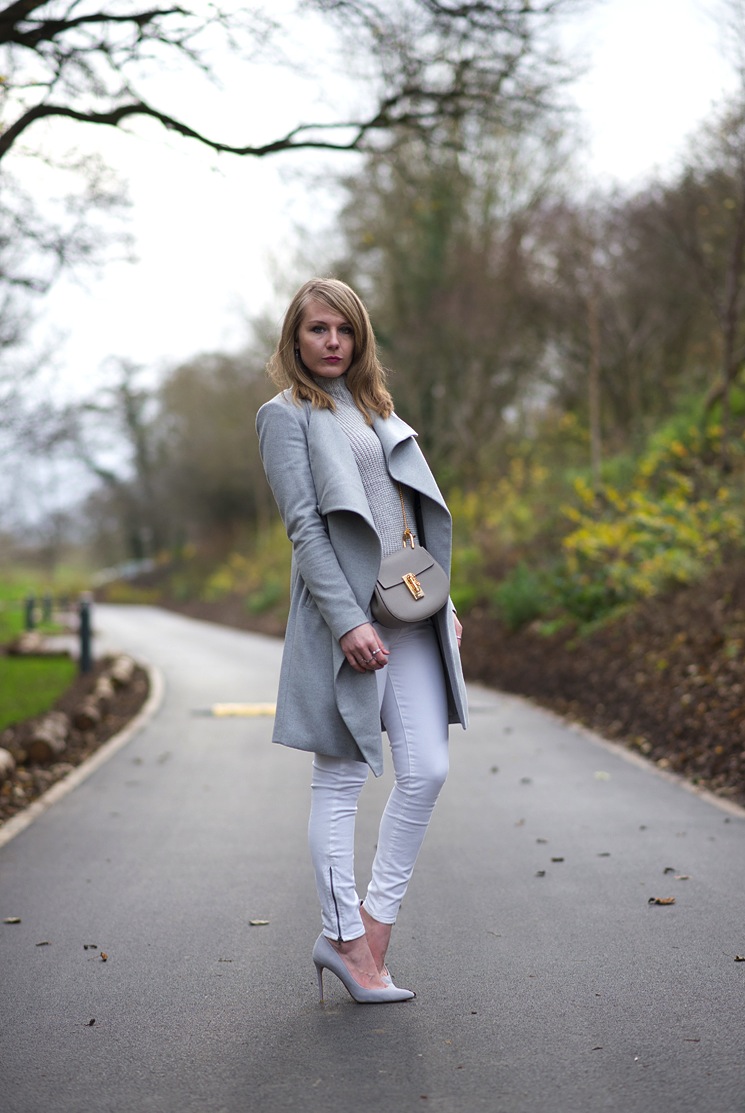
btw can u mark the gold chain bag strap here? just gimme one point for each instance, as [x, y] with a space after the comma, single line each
[411, 585]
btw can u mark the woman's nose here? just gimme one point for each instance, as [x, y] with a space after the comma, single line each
[333, 340]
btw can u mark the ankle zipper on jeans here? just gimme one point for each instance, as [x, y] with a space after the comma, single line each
[336, 906]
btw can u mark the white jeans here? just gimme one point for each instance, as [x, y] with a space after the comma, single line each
[413, 709]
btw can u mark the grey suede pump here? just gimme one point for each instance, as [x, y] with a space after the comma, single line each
[326, 957]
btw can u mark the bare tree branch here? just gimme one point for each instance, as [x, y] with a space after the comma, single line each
[435, 62]
[433, 106]
[48, 30]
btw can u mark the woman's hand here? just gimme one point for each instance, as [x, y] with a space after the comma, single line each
[363, 650]
[458, 629]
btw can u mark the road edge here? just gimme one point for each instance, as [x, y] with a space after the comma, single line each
[619, 749]
[81, 772]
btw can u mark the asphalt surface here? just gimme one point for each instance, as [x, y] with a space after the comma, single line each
[546, 982]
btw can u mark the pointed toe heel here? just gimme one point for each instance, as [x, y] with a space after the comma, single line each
[325, 957]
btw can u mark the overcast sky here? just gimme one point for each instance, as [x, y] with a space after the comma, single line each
[212, 234]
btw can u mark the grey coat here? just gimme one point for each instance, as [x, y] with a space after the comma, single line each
[323, 705]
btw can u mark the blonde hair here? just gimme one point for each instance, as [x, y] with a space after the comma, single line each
[366, 377]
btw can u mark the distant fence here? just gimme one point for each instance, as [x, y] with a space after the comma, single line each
[127, 570]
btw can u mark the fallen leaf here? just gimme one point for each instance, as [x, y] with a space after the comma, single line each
[90, 946]
[44, 943]
[661, 900]
[540, 873]
[601, 776]
[12, 920]
[739, 958]
[557, 859]
[104, 956]
[542, 840]
[669, 869]
[682, 877]
[258, 923]
[91, 1023]
[604, 854]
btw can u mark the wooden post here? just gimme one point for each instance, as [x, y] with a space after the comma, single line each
[86, 633]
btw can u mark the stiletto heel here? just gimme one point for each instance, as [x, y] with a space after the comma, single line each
[325, 956]
[319, 972]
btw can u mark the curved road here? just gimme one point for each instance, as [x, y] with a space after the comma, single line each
[546, 981]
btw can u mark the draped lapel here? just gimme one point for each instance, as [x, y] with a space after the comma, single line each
[406, 464]
[335, 472]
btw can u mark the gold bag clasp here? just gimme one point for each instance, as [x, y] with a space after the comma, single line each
[413, 585]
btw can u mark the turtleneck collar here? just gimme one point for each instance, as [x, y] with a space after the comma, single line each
[337, 388]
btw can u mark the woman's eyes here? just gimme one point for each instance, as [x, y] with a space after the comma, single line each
[346, 329]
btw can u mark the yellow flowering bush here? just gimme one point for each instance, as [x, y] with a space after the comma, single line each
[504, 513]
[639, 544]
[261, 576]
[667, 520]
[503, 505]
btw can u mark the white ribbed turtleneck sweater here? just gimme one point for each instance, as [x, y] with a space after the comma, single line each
[382, 492]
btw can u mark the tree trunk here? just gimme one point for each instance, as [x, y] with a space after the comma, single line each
[121, 671]
[87, 716]
[7, 765]
[48, 738]
[593, 387]
[103, 693]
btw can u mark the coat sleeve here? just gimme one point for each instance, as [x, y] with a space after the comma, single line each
[283, 443]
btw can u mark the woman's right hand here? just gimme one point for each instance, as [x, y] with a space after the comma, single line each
[363, 649]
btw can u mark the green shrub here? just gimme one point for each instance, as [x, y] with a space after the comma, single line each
[520, 597]
[269, 595]
[467, 576]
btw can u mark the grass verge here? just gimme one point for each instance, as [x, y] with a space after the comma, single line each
[29, 686]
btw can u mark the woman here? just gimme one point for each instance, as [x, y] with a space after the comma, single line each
[340, 462]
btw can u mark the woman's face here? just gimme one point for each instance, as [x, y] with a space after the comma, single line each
[325, 341]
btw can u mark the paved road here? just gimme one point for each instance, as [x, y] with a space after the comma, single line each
[546, 981]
